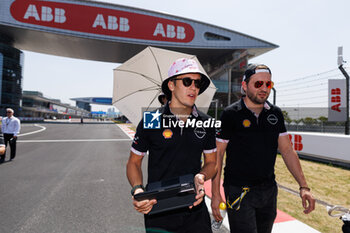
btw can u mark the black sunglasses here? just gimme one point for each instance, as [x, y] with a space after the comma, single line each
[188, 82]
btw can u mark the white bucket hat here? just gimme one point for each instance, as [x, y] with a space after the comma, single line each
[184, 66]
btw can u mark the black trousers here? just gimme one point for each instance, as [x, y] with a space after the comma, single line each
[8, 138]
[257, 211]
[184, 220]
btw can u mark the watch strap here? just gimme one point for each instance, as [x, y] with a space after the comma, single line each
[136, 187]
[305, 188]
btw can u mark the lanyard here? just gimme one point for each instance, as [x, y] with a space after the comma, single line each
[8, 120]
[238, 200]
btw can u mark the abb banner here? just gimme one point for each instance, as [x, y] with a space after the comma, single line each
[331, 147]
[337, 100]
[102, 21]
[296, 141]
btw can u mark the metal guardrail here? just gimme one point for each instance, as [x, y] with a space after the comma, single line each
[317, 128]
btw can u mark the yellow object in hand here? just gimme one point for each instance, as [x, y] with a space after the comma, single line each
[222, 206]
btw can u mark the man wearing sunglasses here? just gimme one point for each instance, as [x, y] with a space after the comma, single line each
[252, 130]
[10, 127]
[176, 151]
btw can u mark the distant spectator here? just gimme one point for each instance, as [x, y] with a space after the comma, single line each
[10, 128]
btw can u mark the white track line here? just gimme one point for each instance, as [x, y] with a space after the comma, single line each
[79, 140]
[37, 131]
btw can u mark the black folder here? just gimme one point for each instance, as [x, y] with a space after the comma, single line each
[170, 194]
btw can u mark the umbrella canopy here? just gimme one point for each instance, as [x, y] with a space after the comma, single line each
[137, 82]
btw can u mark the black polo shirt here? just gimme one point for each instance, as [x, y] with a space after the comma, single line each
[174, 151]
[252, 143]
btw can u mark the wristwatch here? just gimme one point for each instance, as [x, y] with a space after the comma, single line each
[304, 187]
[136, 187]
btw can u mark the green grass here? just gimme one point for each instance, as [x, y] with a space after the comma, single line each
[328, 183]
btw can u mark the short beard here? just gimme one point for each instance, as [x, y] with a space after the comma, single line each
[255, 99]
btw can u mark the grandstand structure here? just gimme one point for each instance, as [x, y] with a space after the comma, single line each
[35, 105]
[114, 33]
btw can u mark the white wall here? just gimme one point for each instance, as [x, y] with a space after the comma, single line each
[326, 146]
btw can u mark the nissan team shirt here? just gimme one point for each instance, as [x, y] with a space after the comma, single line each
[252, 143]
[173, 150]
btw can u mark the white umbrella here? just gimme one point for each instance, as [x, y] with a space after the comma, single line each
[137, 82]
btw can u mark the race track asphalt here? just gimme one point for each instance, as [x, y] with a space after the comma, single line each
[68, 178]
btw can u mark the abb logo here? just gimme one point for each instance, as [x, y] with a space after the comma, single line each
[112, 23]
[297, 145]
[336, 91]
[46, 14]
[335, 98]
[170, 31]
[86, 18]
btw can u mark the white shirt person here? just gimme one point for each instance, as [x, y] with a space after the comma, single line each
[11, 125]
[10, 128]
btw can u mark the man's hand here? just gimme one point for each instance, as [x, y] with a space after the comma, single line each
[144, 206]
[308, 200]
[2, 150]
[215, 203]
[199, 183]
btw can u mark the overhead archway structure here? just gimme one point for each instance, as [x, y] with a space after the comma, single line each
[84, 102]
[114, 33]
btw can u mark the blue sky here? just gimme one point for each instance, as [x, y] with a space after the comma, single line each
[308, 33]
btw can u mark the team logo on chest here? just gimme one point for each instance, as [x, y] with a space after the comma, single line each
[246, 123]
[167, 134]
[199, 132]
[272, 119]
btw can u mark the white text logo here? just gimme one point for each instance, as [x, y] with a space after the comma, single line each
[46, 14]
[112, 23]
[179, 33]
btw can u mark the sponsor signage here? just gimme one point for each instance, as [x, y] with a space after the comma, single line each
[337, 100]
[101, 21]
[331, 147]
[296, 141]
[102, 100]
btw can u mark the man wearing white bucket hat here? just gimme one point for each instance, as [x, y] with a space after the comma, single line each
[176, 151]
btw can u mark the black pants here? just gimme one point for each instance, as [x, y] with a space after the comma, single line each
[184, 220]
[8, 138]
[258, 209]
[346, 227]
